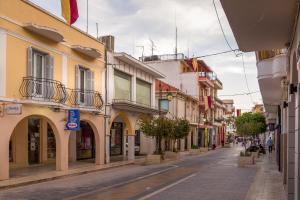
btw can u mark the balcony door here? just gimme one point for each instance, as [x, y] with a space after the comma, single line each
[39, 73]
[84, 86]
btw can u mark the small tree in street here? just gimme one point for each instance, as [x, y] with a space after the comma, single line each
[181, 130]
[250, 124]
[165, 128]
[159, 128]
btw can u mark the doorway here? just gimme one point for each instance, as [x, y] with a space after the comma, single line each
[34, 129]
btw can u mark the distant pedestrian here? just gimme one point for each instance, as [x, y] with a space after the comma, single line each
[270, 144]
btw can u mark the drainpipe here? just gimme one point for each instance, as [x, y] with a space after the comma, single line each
[105, 107]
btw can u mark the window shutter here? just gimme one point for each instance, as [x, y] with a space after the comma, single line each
[49, 67]
[92, 81]
[88, 87]
[29, 62]
[77, 77]
[77, 91]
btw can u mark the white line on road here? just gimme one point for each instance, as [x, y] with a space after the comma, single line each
[166, 187]
[122, 183]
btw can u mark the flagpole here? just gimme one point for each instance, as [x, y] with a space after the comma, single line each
[87, 16]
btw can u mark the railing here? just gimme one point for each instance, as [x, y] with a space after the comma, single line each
[178, 56]
[262, 55]
[85, 98]
[54, 91]
[218, 81]
[43, 89]
[219, 119]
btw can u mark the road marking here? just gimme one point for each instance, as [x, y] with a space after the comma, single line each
[120, 184]
[166, 187]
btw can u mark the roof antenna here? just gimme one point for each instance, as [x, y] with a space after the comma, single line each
[153, 47]
[97, 30]
[176, 52]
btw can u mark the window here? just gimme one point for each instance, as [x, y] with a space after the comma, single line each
[164, 104]
[122, 85]
[143, 92]
[84, 86]
[40, 68]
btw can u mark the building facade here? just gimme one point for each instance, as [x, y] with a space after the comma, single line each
[277, 53]
[180, 106]
[130, 99]
[46, 69]
[196, 79]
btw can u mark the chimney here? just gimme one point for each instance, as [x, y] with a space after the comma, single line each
[109, 42]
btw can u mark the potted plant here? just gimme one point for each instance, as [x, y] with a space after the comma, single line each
[246, 158]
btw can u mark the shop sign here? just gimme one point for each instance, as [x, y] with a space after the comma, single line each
[13, 109]
[73, 123]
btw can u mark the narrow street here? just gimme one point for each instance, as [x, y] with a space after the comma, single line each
[214, 175]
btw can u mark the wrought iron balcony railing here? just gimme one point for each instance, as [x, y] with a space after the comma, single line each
[43, 89]
[54, 91]
[85, 98]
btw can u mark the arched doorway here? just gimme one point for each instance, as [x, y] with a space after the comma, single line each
[82, 144]
[119, 144]
[32, 147]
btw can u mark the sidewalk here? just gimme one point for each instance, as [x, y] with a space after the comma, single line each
[52, 175]
[268, 183]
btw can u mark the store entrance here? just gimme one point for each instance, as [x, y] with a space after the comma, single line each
[34, 129]
[85, 142]
[116, 139]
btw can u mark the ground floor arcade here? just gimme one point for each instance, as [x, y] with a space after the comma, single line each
[37, 138]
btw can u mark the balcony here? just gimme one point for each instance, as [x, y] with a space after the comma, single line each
[133, 106]
[271, 69]
[43, 90]
[206, 78]
[85, 99]
[52, 91]
[218, 84]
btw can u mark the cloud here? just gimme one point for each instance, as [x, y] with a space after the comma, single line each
[134, 22]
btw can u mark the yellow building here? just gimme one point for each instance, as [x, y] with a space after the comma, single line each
[47, 68]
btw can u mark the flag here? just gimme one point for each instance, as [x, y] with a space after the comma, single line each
[69, 10]
[195, 64]
[206, 102]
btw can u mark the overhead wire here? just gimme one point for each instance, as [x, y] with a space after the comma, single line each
[222, 29]
[238, 94]
[230, 47]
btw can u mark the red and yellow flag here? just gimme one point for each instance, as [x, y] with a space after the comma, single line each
[69, 10]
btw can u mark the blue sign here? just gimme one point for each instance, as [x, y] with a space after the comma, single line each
[73, 123]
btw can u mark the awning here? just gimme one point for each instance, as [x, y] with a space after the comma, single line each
[90, 52]
[261, 25]
[47, 32]
[127, 105]
[138, 64]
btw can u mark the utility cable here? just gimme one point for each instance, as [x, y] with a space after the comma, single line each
[246, 80]
[238, 94]
[222, 29]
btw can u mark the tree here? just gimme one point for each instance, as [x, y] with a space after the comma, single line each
[181, 129]
[250, 124]
[159, 128]
[165, 128]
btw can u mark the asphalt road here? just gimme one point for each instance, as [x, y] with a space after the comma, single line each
[214, 176]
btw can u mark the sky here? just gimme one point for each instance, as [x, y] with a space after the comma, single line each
[135, 22]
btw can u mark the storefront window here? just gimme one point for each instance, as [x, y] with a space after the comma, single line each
[143, 92]
[116, 139]
[85, 142]
[122, 85]
[51, 147]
